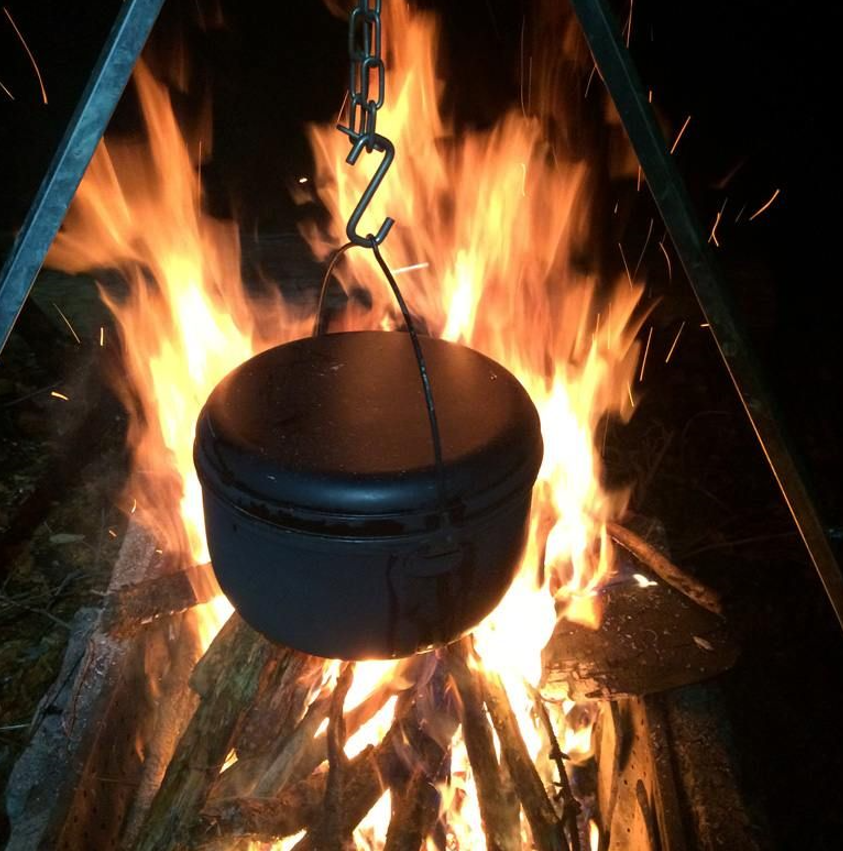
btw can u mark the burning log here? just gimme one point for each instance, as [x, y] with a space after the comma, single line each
[173, 711]
[499, 808]
[133, 607]
[290, 758]
[268, 818]
[545, 824]
[281, 702]
[301, 752]
[212, 731]
[273, 724]
[571, 806]
[414, 813]
[363, 788]
[427, 730]
[334, 833]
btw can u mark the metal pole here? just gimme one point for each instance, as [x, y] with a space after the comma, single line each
[707, 280]
[87, 125]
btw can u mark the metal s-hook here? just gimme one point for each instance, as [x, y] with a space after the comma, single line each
[384, 146]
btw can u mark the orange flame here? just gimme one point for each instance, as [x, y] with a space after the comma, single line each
[492, 226]
[186, 320]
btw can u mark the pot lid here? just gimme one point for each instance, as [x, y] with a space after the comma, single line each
[337, 425]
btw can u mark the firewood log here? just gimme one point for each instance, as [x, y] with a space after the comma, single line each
[499, 807]
[266, 819]
[426, 733]
[664, 568]
[212, 732]
[133, 607]
[545, 824]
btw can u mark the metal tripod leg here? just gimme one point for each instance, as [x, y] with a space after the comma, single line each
[87, 125]
[706, 279]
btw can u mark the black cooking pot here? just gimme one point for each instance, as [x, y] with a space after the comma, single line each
[328, 525]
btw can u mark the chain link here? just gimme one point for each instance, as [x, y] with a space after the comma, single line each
[366, 73]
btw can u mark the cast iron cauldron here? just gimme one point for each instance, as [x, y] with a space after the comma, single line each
[324, 515]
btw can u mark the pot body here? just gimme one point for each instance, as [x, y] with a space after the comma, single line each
[368, 598]
[329, 526]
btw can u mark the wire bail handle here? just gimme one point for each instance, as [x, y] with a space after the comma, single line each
[364, 50]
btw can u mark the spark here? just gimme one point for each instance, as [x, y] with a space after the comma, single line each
[638, 182]
[712, 237]
[643, 250]
[530, 84]
[28, 53]
[643, 581]
[412, 268]
[56, 395]
[521, 64]
[342, 107]
[134, 507]
[729, 176]
[102, 336]
[67, 322]
[11, 96]
[199, 173]
[667, 258]
[112, 533]
[629, 390]
[626, 266]
[617, 204]
[740, 214]
[675, 341]
[629, 24]
[759, 211]
[590, 80]
[705, 325]
[650, 96]
[302, 180]
[646, 352]
[681, 134]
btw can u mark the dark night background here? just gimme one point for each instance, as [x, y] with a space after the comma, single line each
[744, 71]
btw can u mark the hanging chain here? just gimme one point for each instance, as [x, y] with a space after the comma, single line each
[366, 72]
[366, 90]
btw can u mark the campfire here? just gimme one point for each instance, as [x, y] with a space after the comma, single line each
[191, 730]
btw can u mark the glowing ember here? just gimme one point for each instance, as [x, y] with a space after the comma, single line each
[593, 836]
